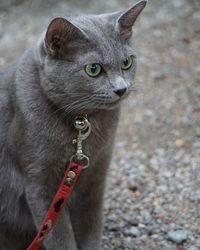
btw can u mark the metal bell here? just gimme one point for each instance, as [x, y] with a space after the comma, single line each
[81, 123]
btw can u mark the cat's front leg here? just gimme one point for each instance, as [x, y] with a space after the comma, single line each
[86, 213]
[39, 197]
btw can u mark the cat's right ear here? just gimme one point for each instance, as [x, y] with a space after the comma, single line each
[62, 35]
[127, 19]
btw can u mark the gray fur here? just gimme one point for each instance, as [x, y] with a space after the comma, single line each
[39, 97]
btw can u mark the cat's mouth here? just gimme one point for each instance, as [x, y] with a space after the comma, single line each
[90, 104]
[112, 104]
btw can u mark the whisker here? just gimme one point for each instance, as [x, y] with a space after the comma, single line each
[64, 108]
[77, 102]
[80, 106]
[134, 88]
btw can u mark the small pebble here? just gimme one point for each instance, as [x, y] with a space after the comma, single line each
[193, 248]
[177, 236]
[132, 231]
[179, 142]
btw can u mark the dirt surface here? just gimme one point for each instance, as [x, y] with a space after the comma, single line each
[153, 191]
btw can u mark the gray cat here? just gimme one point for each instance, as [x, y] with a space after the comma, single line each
[83, 64]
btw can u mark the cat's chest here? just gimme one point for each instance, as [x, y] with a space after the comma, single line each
[52, 143]
[99, 140]
[92, 146]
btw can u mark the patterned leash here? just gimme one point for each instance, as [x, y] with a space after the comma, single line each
[78, 162]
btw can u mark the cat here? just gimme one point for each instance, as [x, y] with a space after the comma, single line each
[83, 64]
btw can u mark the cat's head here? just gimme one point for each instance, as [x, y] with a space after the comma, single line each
[88, 62]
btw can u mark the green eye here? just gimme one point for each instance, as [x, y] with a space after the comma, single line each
[93, 69]
[127, 63]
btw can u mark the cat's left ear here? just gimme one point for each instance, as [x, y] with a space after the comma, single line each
[62, 37]
[127, 19]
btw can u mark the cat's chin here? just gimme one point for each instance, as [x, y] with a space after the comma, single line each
[110, 106]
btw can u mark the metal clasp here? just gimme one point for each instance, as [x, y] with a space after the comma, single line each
[84, 129]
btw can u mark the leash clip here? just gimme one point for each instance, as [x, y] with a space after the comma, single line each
[84, 129]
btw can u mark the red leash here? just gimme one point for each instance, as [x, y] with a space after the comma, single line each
[78, 162]
[66, 187]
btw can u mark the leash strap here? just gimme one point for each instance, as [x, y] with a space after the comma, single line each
[65, 189]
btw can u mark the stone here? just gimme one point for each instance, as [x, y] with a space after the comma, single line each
[192, 248]
[132, 231]
[177, 236]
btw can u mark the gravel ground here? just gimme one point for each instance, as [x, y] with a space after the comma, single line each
[153, 191]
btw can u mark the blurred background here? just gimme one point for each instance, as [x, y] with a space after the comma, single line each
[153, 191]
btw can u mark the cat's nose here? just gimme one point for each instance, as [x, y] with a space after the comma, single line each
[120, 92]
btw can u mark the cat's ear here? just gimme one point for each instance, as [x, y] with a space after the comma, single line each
[127, 19]
[62, 35]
